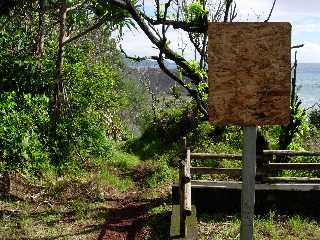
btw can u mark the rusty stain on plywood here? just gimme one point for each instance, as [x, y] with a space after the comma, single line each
[249, 73]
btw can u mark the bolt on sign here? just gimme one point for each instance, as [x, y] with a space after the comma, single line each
[249, 73]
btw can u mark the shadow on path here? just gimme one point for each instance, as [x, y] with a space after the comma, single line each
[132, 221]
[125, 221]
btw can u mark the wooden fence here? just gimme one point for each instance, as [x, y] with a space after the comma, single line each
[264, 179]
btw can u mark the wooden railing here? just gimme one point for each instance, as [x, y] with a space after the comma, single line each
[264, 170]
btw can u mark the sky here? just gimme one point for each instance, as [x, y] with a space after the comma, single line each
[304, 15]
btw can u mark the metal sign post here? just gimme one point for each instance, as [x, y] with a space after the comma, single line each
[248, 183]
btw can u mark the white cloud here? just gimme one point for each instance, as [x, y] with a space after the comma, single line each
[249, 10]
[310, 7]
[308, 27]
[309, 53]
[283, 8]
[305, 19]
[136, 43]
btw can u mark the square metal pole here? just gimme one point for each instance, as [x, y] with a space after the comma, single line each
[248, 183]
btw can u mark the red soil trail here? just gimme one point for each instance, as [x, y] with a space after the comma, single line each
[125, 222]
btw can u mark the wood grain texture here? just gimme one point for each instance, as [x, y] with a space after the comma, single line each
[187, 188]
[214, 156]
[249, 73]
[259, 186]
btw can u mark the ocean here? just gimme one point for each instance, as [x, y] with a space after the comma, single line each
[308, 83]
[308, 79]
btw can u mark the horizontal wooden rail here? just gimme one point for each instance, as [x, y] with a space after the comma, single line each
[259, 186]
[213, 156]
[292, 166]
[261, 171]
[217, 156]
[290, 180]
[210, 170]
[290, 153]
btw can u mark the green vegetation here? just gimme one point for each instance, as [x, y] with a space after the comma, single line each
[314, 117]
[271, 226]
[79, 139]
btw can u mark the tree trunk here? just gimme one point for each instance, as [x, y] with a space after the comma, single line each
[41, 34]
[59, 90]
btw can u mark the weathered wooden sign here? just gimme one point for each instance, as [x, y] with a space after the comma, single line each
[249, 73]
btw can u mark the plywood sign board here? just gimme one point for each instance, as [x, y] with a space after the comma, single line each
[249, 73]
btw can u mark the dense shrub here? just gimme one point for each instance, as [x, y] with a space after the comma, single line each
[95, 99]
[204, 138]
[21, 71]
[23, 121]
[90, 120]
[164, 131]
[314, 117]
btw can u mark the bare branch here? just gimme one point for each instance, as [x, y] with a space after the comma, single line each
[169, 73]
[178, 80]
[203, 54]
[316, 105]
[218, 13]
[271, 11]
[164, 27]
[120, 3]
[158, 9]
[169, 53]
[76, 6]
[99, 22]
[188, 27]
[294, 80]
[195, 43]
[233, 13]
[226, 13]
[297, 46]
[154, 29]
[134, 58]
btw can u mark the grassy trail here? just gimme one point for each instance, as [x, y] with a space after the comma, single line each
[86, 209]
[91, 207]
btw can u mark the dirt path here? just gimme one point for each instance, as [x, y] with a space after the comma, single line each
[135, 214]
[126, 221]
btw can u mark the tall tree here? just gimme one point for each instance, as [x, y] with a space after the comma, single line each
[68, 20]
[76, 19]
[190, 17]
[39, 49]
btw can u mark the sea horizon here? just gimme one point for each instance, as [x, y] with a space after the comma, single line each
[308, 83]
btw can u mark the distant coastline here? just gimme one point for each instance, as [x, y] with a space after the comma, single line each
[308, 82]
[308, 79]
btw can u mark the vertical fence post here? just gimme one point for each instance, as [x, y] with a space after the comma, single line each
[182, 190]
[182, 197]
[264, 172]
[248, 183]
[187, 182]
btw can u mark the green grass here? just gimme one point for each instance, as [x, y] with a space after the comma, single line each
[53, 216]
[159, 221]
[120, 183]
[164, 208]
[124, 161]
[271, 226]
[74, 205]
